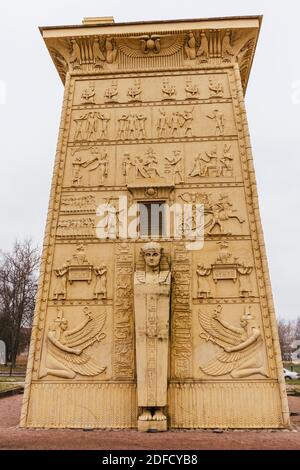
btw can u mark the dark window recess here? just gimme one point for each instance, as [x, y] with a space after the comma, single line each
[152, 219]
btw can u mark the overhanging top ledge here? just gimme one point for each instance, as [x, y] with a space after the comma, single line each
[100, 45]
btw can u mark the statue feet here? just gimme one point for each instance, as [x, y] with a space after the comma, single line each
[152, 419]
[159, 416]
[146, 415]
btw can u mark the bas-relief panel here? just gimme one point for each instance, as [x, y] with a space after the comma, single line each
[162, 128]
[192, 162]
[224, 269]
[82, 272]
[77, 343]
[229, 342]
[151, 163]
[88, 215]
[224, 209]
[197, 120]
[151, 88]
[159, 122]
[216, 162]
[90, 166]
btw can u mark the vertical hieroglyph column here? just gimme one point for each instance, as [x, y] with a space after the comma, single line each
[154, 114]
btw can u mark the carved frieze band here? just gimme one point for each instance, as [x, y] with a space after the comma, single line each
[123, 347]
[181, 326]
[211, 405]
[154, 50]
[79, 406]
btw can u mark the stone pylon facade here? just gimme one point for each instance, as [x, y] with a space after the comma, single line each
[154, 112]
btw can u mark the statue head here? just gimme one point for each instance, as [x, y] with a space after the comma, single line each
[152, 254]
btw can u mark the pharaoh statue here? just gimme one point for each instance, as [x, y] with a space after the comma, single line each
[152, 305]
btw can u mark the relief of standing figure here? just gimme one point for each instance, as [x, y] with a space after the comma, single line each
[100, 289]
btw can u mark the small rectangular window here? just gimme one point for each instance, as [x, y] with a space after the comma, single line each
[151, 219]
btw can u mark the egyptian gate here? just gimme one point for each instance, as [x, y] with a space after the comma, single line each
[154, 112]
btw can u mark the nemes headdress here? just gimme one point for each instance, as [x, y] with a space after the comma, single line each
[151, 247]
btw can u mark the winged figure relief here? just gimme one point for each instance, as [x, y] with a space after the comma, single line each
[242, 354]
[66, 353]
[150, 45]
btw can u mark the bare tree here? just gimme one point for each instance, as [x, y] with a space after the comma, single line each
[286, 332]
[297, 329]
[18, 285]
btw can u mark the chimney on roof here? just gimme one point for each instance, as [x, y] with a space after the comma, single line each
[98, 20]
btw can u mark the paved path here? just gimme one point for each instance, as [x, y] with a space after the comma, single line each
[12, 437]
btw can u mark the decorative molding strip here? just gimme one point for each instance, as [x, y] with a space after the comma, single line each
[225, 405]
[123, 347]
[82, 406]
[181, 325]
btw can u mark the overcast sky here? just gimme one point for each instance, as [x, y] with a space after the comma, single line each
[30, 116]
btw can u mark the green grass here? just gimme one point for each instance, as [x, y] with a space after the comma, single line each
[4, 387]
[12, 378]
[292, 382]
[18, 368]
[291, 366]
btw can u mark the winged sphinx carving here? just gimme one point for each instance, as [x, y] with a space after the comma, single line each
[242, 354]
[66, 355]
[150, 45]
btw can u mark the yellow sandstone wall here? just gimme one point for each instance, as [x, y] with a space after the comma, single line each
[154, 112]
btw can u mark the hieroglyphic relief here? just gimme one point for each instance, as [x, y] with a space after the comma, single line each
[142, 51]
[90, 170]
[123, 348]
[134, 92]
[75, 227]
[92, 126]
[203, 285]
[227, 48]
[150, 44]
[168, 90]
[111, 93]
[65, 351]
[225, 267]
[154, 111]
[191, 90]
[88, 95]
[219, 120]
[75, 54]
[131, 126]
[78, 204]
[176, 164]
[175, 124]
[218, 211]
[153, 166]
[210, 164]
[100, 289]
[79, 269]
[148, 166]
[157, 122]
[215, 87]
[190, 46]
[92, 51]
[181, 333]
[242, 346]
[109, 222]
[203, 50]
